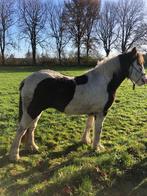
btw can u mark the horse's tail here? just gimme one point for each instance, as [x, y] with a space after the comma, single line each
[20, 100]
[24, 138]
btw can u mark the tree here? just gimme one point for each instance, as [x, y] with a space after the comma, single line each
[92, 8]
[130, 15]
[6, 22]
[32, 19]
[107, 24]
[141, 36]
[75, 16]
[57, 27]
[28, 55]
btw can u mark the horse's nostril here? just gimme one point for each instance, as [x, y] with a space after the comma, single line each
[145, 79]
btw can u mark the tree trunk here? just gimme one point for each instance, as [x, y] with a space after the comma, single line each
[3, 48]
[107, 52]
[59, 56]
[33, 44]
[87, 46]
[123, 48]
[3, 57]
[34, 54]
[78, 55]
[87, 51]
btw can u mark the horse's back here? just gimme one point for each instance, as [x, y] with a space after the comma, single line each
[33, 80]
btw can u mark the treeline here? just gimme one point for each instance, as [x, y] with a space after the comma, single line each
[86, 26]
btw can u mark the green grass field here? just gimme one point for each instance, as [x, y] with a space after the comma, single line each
[63, 165]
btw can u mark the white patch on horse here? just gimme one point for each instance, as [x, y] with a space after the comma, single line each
[92, 96]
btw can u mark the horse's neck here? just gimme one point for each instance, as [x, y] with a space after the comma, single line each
[109, 67]
[112, 71]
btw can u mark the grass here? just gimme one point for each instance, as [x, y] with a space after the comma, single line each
[64, 166]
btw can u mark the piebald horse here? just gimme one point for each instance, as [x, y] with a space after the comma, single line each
[92, 94]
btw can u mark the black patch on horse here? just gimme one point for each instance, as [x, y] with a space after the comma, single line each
[52, 93]
[125, 60]
[20, 101]
[81, 79]
[111, 89]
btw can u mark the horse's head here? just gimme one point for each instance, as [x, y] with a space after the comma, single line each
[136, 71]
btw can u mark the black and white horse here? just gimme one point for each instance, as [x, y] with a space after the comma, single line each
[92, 93]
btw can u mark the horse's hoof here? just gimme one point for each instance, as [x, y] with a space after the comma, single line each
[99, 148]
[86, 141]
[32, 148]
[14, 158]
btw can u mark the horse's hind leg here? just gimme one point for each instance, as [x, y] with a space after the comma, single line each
[89, 126]
[29, 136]
[23, 126]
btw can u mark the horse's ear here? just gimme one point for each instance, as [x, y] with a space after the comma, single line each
[134, 51]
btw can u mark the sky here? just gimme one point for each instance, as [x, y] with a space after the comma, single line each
[22, 46]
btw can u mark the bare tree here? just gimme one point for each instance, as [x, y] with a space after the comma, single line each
[6, 22]
[32, 18]
[75, 17]
[130, 14]
[92, 8]
[107, 24]
[140, 37]
[57, 27]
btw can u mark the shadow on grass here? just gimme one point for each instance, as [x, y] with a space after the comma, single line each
[131, 183]
[3, 151]
[42, 169]
[4, 161]
[45, 173]
[66, 151]
[69, 184]
[17, 69]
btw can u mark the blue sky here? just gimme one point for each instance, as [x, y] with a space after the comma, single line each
[23, 46]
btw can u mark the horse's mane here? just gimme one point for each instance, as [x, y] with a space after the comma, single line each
[140, 59]
[102, 61]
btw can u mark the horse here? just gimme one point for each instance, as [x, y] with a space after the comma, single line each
[91, 94]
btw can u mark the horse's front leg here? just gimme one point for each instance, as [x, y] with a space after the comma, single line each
[14, 151]
[29, 140]
[99, 118]
[89, 126]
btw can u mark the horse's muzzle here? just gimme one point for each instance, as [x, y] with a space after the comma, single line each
[145, 79]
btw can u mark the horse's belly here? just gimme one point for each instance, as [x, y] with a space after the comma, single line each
[81, 109]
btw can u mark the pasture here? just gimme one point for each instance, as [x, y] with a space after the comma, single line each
[64, 166]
